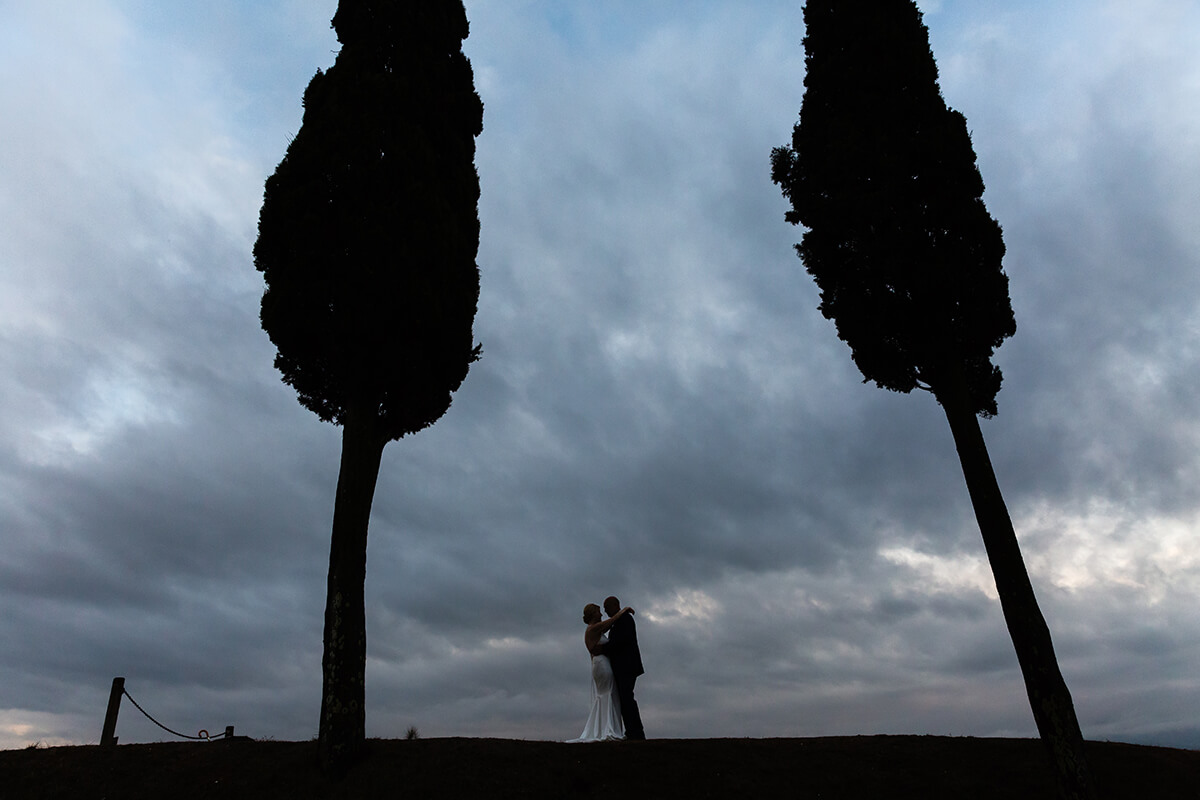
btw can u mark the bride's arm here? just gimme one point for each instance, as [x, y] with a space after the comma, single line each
[608, 623]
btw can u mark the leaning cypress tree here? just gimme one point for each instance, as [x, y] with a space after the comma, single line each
[908, 260]
[367, 241]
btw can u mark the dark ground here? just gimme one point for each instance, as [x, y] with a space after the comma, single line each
[845, 768]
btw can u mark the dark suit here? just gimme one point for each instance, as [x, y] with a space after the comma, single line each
[626, 659]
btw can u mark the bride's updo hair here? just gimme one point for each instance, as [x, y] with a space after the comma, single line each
[590, 611]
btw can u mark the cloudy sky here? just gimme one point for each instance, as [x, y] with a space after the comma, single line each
[661, 413]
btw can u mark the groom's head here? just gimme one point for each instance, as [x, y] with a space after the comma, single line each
[611, 605]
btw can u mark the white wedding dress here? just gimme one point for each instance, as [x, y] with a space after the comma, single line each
[604, 719]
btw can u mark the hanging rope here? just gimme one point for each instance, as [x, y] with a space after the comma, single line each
[202, 737]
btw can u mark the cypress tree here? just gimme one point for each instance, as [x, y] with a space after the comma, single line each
[368, 235]
[908, 262]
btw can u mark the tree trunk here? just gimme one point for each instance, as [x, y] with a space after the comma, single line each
[344, 664]
[1049, 697]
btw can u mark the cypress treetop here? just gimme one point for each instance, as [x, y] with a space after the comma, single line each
[369, 227]
[883, 176]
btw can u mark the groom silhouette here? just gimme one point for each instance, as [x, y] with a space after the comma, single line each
[626, 662]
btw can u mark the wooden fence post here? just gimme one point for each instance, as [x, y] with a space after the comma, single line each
[110, 716]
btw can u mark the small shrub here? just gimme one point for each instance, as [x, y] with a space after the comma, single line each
[412, 733]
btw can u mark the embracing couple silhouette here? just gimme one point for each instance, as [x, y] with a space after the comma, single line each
[616, 665]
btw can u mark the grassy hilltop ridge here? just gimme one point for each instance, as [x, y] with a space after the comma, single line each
[846, 768]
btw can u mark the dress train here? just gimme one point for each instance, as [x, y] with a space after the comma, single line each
[604, 720]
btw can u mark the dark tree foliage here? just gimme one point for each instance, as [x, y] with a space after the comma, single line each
[367, 241]
[883, 175]
[369, 226]
[908, 262]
